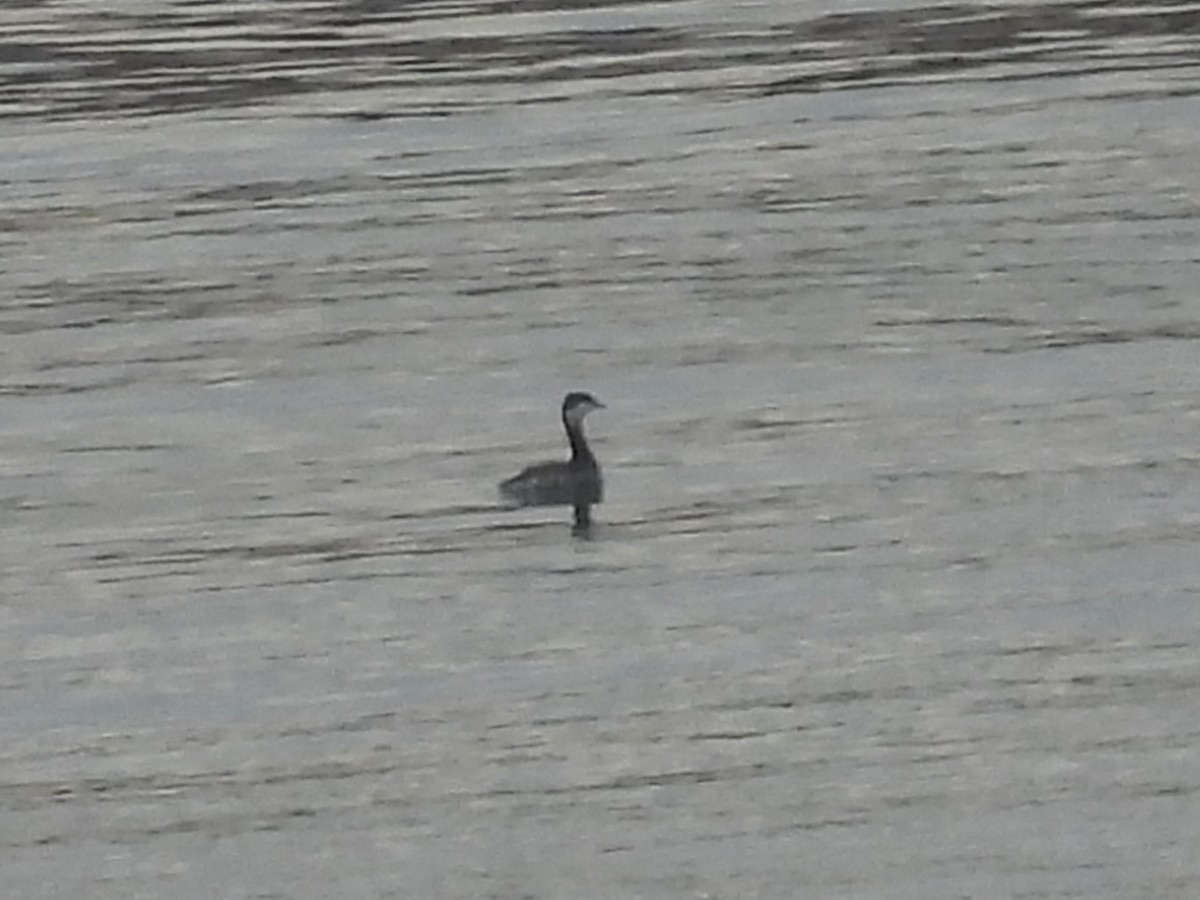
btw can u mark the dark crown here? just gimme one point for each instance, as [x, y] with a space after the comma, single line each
[575, 398]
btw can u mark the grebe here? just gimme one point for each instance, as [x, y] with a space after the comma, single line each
[576, 482]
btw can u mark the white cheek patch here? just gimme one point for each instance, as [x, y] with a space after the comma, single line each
[576, 413]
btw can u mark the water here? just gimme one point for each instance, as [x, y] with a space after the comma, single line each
[894, 311]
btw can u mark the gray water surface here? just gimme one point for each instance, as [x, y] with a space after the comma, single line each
[894, 308]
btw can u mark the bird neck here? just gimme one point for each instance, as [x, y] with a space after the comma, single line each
[579, 446]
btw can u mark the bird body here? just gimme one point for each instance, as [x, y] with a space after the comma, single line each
[555, 484]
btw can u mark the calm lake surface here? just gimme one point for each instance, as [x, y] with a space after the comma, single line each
[895, 310]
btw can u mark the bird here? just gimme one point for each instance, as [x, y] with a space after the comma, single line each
[576, 482]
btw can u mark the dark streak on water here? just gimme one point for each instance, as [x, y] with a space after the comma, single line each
[895, 312]
[202, 57]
